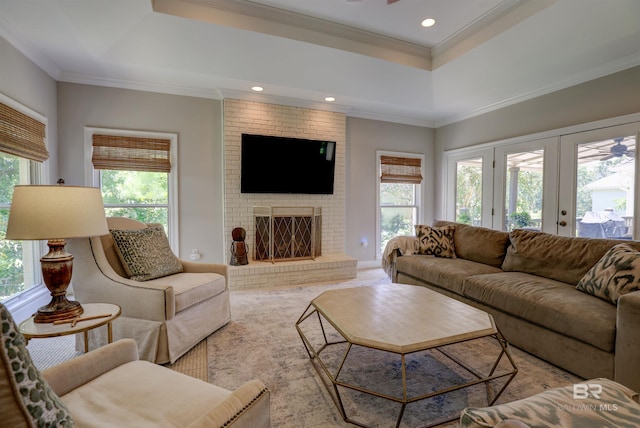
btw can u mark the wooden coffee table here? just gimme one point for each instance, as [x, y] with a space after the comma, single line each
[401, 319]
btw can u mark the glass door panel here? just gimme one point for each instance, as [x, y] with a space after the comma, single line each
[523, 190]
[525, 183]
[598, 183]
[469, 191]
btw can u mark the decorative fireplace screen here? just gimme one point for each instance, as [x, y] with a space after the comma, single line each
[287, 233]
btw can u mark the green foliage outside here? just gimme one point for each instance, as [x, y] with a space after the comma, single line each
[396, 220]
[469, 194]
[11, 273]
[138, 188]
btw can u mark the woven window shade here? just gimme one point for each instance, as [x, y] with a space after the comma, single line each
[22, 135]
[131, 153]
[400, 170]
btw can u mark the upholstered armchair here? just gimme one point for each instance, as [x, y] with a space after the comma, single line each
[182, 303]
[111, 387]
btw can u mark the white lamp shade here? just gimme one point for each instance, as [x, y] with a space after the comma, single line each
[56, 212]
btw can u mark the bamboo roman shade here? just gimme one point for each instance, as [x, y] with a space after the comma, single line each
[400, 170]
[22, 135]
[131, 153]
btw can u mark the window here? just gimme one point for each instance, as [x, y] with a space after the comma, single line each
[22, 151]
[399, 195]
[137, 176]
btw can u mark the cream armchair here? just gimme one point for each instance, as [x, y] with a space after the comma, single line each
[166, 316]
[111, 387]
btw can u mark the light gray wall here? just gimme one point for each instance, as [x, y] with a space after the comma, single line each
[26, 83]
[607, 97]
[364, 138]
[198, 123]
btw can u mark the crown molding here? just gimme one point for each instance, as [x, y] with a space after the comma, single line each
[586, 76]
[8, 33]
[257, 17]
[141, 85]
[491, 24]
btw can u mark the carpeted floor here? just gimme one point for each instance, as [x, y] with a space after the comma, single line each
[261, 342]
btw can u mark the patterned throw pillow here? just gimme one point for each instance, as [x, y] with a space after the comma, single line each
[615, 274]
[145, 253]
[436, 241]
[26, 399]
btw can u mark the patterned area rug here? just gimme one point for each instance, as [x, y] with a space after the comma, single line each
[261, 342]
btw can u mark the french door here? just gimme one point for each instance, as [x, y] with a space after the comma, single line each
[597, 192]
[576, 184]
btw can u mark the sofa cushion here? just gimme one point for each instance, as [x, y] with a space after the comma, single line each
[146, 253]
[615, 274]
[192, 288]
[26, 400]
[479, 244]
[177, 400]
[435, 241]
[444, 273]
[548, 303]
[563, 258]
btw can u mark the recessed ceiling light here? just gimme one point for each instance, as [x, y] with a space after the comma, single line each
[257, 88]
[429, 22]
[330, 99]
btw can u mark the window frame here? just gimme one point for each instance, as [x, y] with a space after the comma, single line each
[92, 175]
[24, 303]
[418, 203]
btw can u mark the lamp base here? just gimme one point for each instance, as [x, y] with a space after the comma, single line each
[58, 309]
[57, 266]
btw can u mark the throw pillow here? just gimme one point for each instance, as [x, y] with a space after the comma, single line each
[26, 398]
[145, 253]
[615, 274]
[436, 241]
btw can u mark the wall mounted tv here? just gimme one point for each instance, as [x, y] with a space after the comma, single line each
[286, 165]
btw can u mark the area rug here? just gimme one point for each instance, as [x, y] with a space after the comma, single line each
[261, 342]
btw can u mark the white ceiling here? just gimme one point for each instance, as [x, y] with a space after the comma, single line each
[374, 58]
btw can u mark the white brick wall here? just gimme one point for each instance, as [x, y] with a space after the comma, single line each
[284, 121]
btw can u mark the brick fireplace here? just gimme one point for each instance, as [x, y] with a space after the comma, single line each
[251, 117]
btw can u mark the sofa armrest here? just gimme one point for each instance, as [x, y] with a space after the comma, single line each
[71, 374]
[191, 267]
[628, 341]
[247, 407]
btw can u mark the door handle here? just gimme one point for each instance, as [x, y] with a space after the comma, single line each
[562, 223]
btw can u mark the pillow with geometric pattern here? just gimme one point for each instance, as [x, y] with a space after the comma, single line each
[615, 274]
[436, 241]
[26, 399]
[145, 253]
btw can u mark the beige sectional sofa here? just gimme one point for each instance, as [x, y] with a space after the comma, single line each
[527, 281]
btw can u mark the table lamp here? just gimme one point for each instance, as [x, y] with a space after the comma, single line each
[55, 213]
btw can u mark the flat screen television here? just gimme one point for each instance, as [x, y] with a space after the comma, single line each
[286, 165]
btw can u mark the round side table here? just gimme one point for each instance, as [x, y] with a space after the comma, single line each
[32, 330]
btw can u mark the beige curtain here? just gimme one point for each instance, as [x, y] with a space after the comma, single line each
[400, 170]
[131, 153]
[22, 135]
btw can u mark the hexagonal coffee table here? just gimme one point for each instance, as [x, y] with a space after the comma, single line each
[401, 319]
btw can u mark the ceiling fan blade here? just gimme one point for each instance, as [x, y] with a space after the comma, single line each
[391, 1]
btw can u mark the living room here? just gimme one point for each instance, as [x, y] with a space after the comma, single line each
[201, 123]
